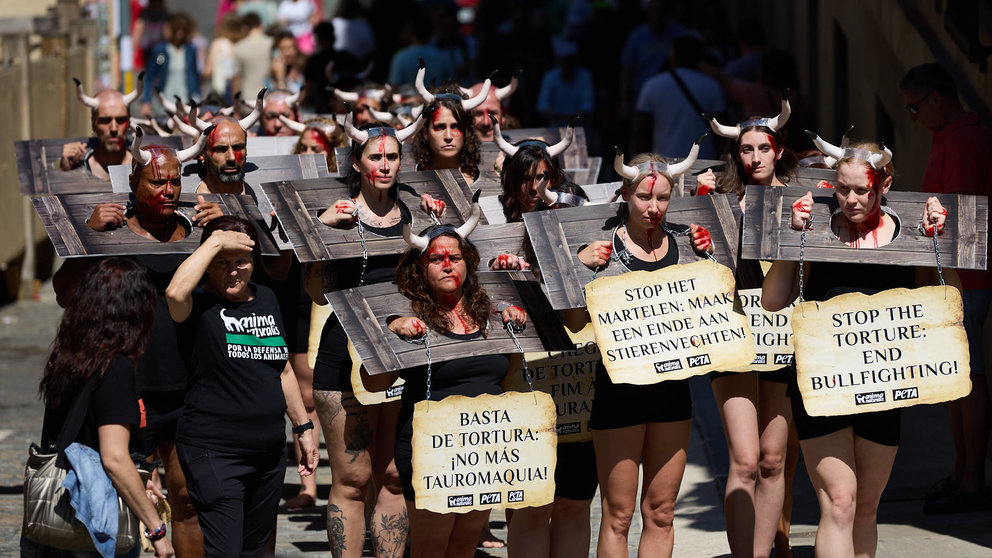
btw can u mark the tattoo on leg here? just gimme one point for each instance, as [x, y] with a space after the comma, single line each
[389, 534]
[335, 530]
[357, 437]
[330, 402]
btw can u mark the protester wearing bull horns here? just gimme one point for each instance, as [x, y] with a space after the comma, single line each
[110, 118]
[642, 425]
[532, 180]
[753, 406]
[449, 140]
[160, 374]
[849, 457]
[439, 276]
[360, 438]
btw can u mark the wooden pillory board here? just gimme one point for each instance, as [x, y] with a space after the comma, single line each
[38, 166]
[768, 235]
[298, 203]
[556, 236]
[363, 312]
[65, 216]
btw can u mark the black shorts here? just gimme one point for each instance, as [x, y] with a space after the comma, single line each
[780, 376]
[575, 473]
[622, 405]
[881, 427]
[162, 412]
[332, 369]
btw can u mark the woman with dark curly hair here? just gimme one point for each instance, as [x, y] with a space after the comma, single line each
[102, 334]
[438, 275]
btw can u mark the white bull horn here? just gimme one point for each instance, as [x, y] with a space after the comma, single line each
[194, 150]
[419, 84]
[676, 170]
[504, 146]
[138, 88]
[560, 147]
[142, 157]
[473, 220]
[91, 102]
[256, 113]
[625, 171]
[731, 132]
[293, 125]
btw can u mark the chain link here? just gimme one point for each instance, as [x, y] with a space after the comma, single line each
[424, 340]
[936, 252]
[802, 256]
[512, 328]
[365, 251]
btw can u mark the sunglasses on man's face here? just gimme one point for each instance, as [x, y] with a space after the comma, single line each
[914, 107]
[104, 120]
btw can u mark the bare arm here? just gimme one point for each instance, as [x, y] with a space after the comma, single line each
[297, 414]
[179, 293]
[123, 474]
[317, 280]
[781, 285]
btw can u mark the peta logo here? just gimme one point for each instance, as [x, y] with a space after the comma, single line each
[700, 360]
[905, 393]
[490, 498]
[515, 496]
[460, 501]
[783, 359]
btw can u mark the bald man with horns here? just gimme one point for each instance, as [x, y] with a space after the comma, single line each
[110, 119]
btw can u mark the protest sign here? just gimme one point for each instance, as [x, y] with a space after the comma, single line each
[669, 324]
[485, 452]
[568, 376]
[858, 353]
[770, 331]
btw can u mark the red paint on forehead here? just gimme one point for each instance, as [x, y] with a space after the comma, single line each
[319, 137]
[773, 142]
[651, 180]
[162, 158]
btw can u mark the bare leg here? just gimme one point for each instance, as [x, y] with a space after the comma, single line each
[570, 528]
[737, 397]
[389, 524]
[187, 538]
[349, 429]
[449, 535]
[666, 446]
[782, 549]
[775, 415]
[874, 462]
[529, 532]
[618, 458]
[304, 376]
[830, 462]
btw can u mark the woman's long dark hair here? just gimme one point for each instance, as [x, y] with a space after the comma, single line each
[525, 162]
[411, 278]
[355, 179]
[112, 313]
[468, 156]
[735, 178]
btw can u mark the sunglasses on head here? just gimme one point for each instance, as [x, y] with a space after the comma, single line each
[914, 107]
[122, 120]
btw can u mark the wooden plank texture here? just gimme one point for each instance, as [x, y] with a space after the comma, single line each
[363, 312]
[64, 217]
[768, 236]
[293, 199]
[557, 235]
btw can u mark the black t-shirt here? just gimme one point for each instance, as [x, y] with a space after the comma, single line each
[114, 400]
[671, 257]
[160, 368]
[236, 353]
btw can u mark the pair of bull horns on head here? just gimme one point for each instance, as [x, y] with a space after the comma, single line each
[421, 243]
[734, 132]
[876, 160]
[93, 102]
[362, 136]
[672, 171]
[196, 125]
[144, 157]
[511, 150]
[467, 104]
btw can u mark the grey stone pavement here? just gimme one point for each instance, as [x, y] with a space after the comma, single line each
[27, 329]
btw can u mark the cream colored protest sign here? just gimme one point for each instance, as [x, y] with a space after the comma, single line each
[486, 452]
[771, 333]
[568, 376]
[669, 324]
[858, 353]
[359, 377]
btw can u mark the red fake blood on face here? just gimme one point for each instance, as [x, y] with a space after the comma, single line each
[436, 116]
[239, 156]
[773, 141]
[650, 179]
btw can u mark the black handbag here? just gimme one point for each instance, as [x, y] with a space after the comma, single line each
[49, 518]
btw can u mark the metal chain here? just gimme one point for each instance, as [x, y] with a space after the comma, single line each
[936, 251]
[365, 251]
[802, 256]
[424, 340]
[512, 328]
[434, 217]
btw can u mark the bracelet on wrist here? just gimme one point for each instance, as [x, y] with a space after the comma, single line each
[154, 535]
[300, 429]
